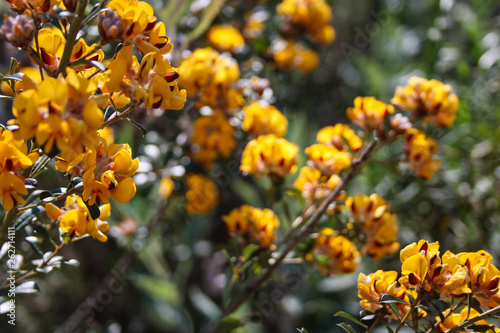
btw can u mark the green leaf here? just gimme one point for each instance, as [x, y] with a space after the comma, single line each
[7, 98]
[72, 262]
[52, 19]
[94, 210]
[99, 65]
[249, 251]
[35, 244]
[14, 76]
[388, 299]
[14, 65]
[47, 197]
[302, 330]
[229, 324]
[349, 317]
[394, 309]
[138, 126]
[347, 328]
[479, 328]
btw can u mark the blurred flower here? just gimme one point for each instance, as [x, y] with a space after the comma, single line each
[39, 6]
[75, 219]
[334, 254]
[453, 319]
[202, 194]
[225, 38]
[420, 150]
[368, 112]
[341, 136]
[31, 78]
[255, 24]
[315, 186]
[262, 118]
[212, 136]
[269, 155]
[253, 224]
[328, 159]
[166, 187]
[289, 55]
[430, 99]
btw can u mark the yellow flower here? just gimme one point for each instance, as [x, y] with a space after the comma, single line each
[31, 78]
[368, 112]
[420, 149]
[253, 224]
[225, 38]
[430, 99]
[334, 253]
[75, 219]
[341, 136]
[269, 155]
[212, 136]
[262, 118]
[315, 186]
[453, 319]
[202, 194]
[10, 186]
[312, 15]
[328, 159]
[213, 77]
[289, 55]
[484, 277]
[166, 187]
[364, 208]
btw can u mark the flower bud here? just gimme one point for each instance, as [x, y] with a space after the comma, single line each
[70, 5]
[18, 30]
[110, 26]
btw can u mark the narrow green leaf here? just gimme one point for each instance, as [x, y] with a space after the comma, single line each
[347, 328]
[302, 330]
[7, 98]
[35, 244]
[388, 299]
[394, 309]
[53, 20]
[228, 324]
[94, 210]
[249, 251]
[349, 317]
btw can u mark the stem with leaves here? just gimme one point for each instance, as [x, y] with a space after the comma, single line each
[407, 315]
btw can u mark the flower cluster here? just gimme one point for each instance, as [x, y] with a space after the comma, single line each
[213, 78]
[313, 185]
[202, 194]
[289, 55]
[262, 118]
[334, 254]
[420, 150]
[368, 112]
[253, 224]
[379, 227]
[225, 38]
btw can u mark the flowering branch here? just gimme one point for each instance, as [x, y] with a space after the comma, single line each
[471, 321]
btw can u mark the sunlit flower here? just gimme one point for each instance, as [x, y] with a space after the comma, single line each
[269, 155]
[253, 224]
[341, 136]
[31, 78]
[262, 118]
[225, 38]
[202, 194]
[453, 319]
[328, 159]
[289, 55]
[430, 99]
[334, 254]
[315, 186]
[420, 150]
[368, 112]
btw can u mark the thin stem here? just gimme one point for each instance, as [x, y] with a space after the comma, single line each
[308, 227]
[39, 167]
[119, 116]
[456, 306]
[375, 323]
[74, 190]
[407, 315]
[73, 31]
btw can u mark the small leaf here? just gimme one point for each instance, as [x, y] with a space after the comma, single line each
[347, 328]
[368, 317]
[479, 328]
[351, 318]
[138, 126]
[47, 197]
[28, 287]
[302, 330]
[66, 13]
[249, 251]
[14, 65]
[35, 244]
[5, 97]
[388, 299]
[72, 262]
[94, 210]
[109, 112]
[394, 309]
[99, 65]
[15, 77]
[228, 324]
[52, 19]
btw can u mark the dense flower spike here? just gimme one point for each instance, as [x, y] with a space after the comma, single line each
[269, 155]
[328, 159]
[202, 194]
[368, 112]
[312, 15]
[289, 55]
[371, 287]
[380, 227]
[341, 136]
[153, 81]
[313, 185]
[225, 38]
[420, 150]
[262, 118]
[14, 158]
[334, 254]
[213, 78]
[75, 219]
[213, 137]
[253, 224]
[430, 99]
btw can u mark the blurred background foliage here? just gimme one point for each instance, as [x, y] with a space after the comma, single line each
[174, 274]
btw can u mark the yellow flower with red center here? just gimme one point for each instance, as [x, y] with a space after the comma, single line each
[364, 208]
[14, 158]
[107, 173]
[420, 150]
[453, 319]
[133, 22]
[213, 137]
[484, 277]
[253, 224]
[371, 287]
[315, 186]
[75, 219]
[39, 6]
[269, 155]
[153, 81]
[312, 15]
[341, 136]
[328, 159]
[334, 254]
[262, 118]
[202, 194]
[289, 55]
[430, 99]
[213, 77]
[368, 112]
[225, 38]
